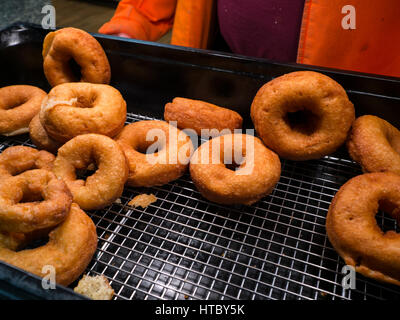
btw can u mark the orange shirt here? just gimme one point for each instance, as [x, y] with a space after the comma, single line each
[372, 47]
[358, 35]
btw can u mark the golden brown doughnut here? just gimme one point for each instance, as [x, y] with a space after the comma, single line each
[18, 105]
[40, 138]
[375, 144]
[105, 185]
[198, 115]
[302, 115]
[70, 248]
[258, 169]
[72, 109]
[17, 159]
[21, 206]
[353, 231]
[173, 151]
[61, 46]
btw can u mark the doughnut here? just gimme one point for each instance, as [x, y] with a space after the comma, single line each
[69, 250]
[32, 200]
[70, 44]
[17, 159]
[375, 144]
[106, 184]
[198, 115]
[18, 105]
[302, 115]
[353, 231]
[40, 138]
[170, 160]
[72, 109]
[234, 169]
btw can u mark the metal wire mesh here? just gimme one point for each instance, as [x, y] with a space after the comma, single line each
[185, 247]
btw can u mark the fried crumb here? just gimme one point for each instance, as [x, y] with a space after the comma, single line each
[142, 200]
[106, 236]
[91, 167]
[118, 201]
[95, 287]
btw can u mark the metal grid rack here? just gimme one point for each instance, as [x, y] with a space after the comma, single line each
[185, 247]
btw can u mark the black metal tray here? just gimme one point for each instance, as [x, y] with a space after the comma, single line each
[183, 246]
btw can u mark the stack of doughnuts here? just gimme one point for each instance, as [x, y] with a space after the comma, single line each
[40, 196]
[80, 125]
[35, 204]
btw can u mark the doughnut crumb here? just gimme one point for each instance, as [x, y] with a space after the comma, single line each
[142, 200]
[95, 287]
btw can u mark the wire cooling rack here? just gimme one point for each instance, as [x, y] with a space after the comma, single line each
[185, 247]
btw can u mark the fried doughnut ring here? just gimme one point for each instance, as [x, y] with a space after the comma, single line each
[17, 159]
[106, 184]
[72, 109]
[70, 248]
[375, 144]
[302, 115]
[18, 105]
[352, 229]
[61, 46]
[40, 138]
[257, 173]
[173, 150]
[198, 115]
[20, 208]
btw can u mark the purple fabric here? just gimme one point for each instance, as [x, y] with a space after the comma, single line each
[262, 28]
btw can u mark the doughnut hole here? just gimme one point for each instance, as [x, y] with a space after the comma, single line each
[32, 196]
[233, 158]
[86, 101]
[149, 147]
[388, 216]
[302, 120]
[235, 165]
[75, 70]
[29, 192]
[86, 171]
[34, 240]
